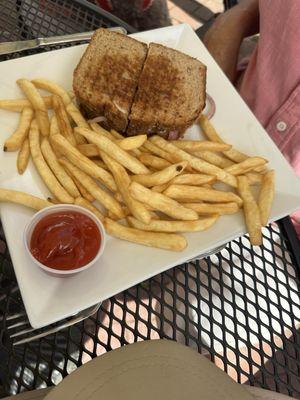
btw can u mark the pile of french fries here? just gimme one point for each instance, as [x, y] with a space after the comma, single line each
[145, 190]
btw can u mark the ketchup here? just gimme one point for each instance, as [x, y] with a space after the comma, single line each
[65, 240]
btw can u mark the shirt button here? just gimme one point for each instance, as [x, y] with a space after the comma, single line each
[281, 126]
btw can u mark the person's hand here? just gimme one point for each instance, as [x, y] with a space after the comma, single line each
[224, 38]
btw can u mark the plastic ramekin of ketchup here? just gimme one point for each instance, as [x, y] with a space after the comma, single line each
[64, 239]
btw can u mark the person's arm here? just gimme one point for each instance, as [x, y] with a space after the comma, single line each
[224, 38]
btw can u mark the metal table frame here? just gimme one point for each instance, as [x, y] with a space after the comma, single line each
[239, 307]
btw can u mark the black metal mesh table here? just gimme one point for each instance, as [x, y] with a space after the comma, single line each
[239, 307]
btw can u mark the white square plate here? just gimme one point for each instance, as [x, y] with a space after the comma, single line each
[48, 299]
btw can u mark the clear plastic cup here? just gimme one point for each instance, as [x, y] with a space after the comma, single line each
[52, 210]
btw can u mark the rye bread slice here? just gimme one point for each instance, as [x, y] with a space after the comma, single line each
[170, 94]
[105, 80]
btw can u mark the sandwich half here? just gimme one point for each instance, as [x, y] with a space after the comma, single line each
[106, 78]
[170, 94]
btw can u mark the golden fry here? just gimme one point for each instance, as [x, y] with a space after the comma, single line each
[114, 151]
[212, 135]
[254, 178]
[160, 188]
[53, 88]
[23, 157]
[213, 158]
[266, 196]
[216, 208]
[84, 163]
[122, 179]
[100, 164]
[162, 203]
[58, 169]
[80, 201]
[160, 177]
[27, 200]
[45, 172]
[174, 226]
[54, 129]
[245, 166]
[251, 211]
[17, 105]
[192, 179]
[196, 163]
[88, 149]
[133, 142]
[113, 136]
[195, 193]
[63, 120]
[76, 116]
[167, 241]
[154, 162]
[91, 186]
[84, 193]
[37, 103]
[171, 157]
[14, 142]
[193, 145]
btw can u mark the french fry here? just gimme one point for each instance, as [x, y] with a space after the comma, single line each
[23, 157]
[251, 211]
[246, 166]
[216, 208]
[167, 241]
[213, 158]
[45, 172]
[14, 142]
[171, 157]
[27, 200]
[58, 169]
[122, 179]
[196, 163]
[174, 226]
[80, 201]
[37, 102]
[88, 149]
[266, 196]
[160, 177]
[195, 193]
[100, 164]
[154, 162]
[162, 203]
[84, 163]
[212, 135]
[160, 188]
[53, 88]
[53, 200]
[192, 179]
[84, 193]
[91, 186]
[17, 105]
[54, 129]
[63, 120]
[114, 151]
[76, 116]
[112, 135]
[193, 145]
[254, 178]
[133, 142]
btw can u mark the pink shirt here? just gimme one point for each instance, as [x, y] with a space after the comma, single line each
[271, 83]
